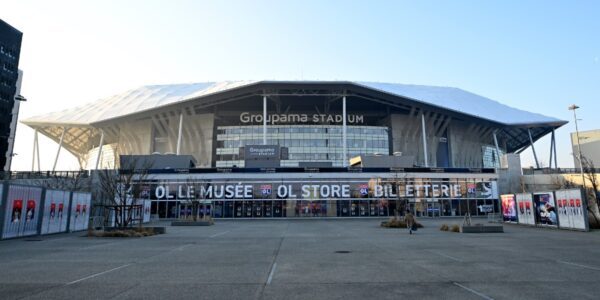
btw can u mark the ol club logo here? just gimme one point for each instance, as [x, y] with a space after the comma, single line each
[364, 189]
[265, 189]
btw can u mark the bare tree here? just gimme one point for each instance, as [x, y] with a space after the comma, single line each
[589, 171]
[193, 200]
[119, 188]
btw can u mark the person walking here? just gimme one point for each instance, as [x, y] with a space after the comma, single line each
[410, 221]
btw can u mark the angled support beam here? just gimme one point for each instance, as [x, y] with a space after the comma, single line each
[99, 149]
[179, 133]
[35, 145]
[551, 147]
[62, 136]
[554, 146]
[37, 151]
[497, 148]
[537, 164]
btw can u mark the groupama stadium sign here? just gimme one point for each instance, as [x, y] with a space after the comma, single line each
[246, 117]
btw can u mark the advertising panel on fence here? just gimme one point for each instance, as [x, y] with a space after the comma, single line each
[545, 209]
[572, 212]
[55, 215]
[22, 211]
[509, 208]
[80, 209]
[147, 204]
[525, 209]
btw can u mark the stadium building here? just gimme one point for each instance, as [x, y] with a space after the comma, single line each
[304, 148]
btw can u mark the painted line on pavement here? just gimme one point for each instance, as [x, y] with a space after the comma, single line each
[271, 273]
[97, 274]
[218, 234]
[484, 296]
[578, 265]
[445, 255]
[182, 247]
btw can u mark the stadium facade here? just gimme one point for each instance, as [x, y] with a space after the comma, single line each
[451, 138]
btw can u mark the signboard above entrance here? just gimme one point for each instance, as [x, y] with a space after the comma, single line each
[273, 119]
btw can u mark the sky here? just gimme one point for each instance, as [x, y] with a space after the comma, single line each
[540, 56]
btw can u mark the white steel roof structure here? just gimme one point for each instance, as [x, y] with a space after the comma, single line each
[78, 123]
[156, 96]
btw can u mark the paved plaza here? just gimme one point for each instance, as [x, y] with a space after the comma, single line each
[305, 259]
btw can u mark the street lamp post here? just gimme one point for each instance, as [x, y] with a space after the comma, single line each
[574, 108]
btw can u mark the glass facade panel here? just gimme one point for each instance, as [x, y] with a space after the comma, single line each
[306, 143]
[491, 157]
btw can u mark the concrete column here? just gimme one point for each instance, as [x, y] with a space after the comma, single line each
[344, 135]
[424, 140]
[264, 120]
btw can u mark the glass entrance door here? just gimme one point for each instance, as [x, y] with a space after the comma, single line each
[433, 209]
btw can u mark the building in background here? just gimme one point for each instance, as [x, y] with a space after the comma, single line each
[590, 146]
[10, 86]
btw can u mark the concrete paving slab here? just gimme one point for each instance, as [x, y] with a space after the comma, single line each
[300, 259]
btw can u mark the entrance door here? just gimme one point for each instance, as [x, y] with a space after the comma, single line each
[257, 208]
[247, 209]
[354, 207]
[239, 209]
[343, 207]
[278, 209]
[433, 209]
[268, 209]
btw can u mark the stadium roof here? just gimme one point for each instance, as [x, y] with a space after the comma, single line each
[156, 96]
[514, 125]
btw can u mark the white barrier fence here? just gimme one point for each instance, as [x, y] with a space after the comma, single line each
[565, 209]
[32, 210]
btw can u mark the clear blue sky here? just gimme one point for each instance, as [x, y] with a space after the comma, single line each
[539, 56]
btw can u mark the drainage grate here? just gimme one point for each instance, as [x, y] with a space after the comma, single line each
[33, 240]
[343, 251]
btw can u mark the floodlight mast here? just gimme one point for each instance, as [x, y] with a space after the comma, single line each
[574, 107]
